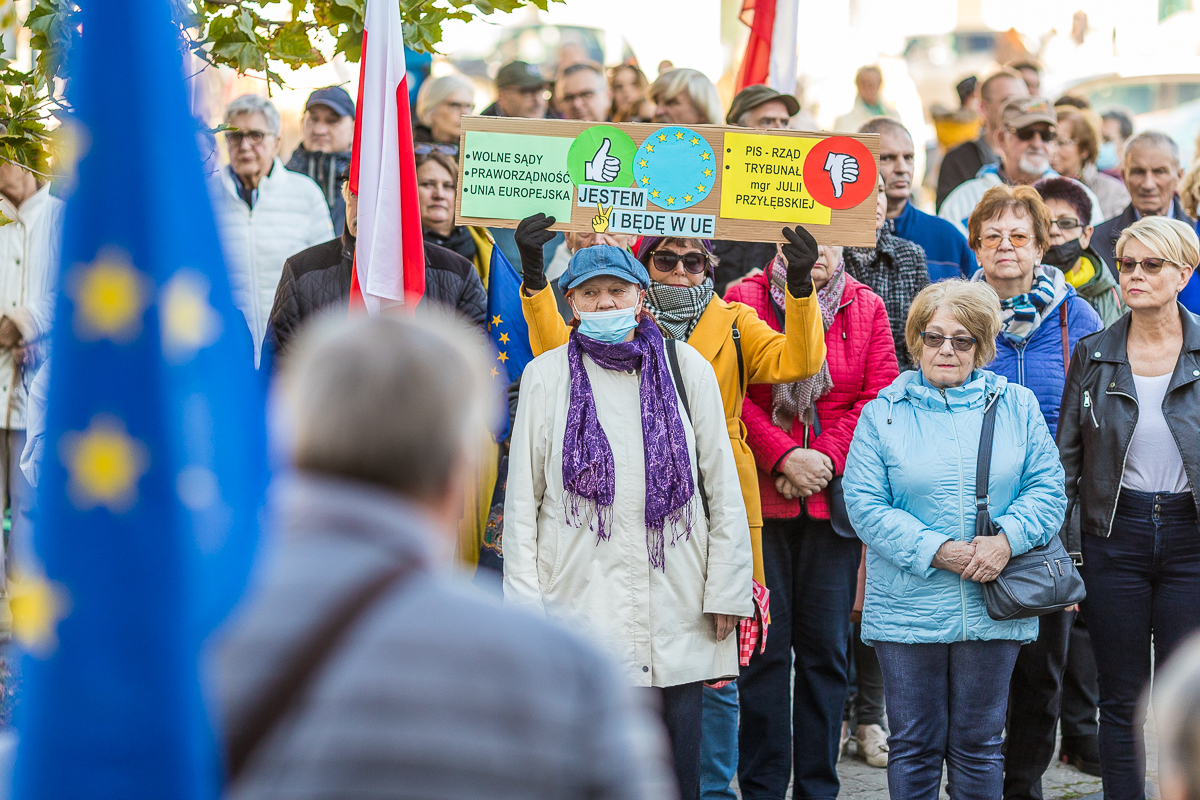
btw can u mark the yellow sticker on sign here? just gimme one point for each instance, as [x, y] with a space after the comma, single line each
[763, 180]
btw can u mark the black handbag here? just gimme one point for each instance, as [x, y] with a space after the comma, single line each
[1040, 581]
[837, 501]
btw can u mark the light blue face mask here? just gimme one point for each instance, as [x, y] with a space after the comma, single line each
[1107, 157]
[609, 327]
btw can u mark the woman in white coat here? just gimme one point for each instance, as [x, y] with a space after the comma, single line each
[624, 514]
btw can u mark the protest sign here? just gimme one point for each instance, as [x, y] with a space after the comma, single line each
[696, 181]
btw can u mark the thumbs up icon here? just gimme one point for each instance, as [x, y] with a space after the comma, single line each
[603, 168]
[842, 169]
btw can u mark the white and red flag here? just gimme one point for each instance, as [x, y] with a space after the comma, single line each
[770, 56]
[389, 257]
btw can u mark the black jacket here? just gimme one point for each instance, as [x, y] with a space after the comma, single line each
[1107, 233]
[962, 163]
[319, 278]
[328, 170]
[1100, 411]
[736, 259]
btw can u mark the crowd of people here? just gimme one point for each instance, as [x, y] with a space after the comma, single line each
[743, 471]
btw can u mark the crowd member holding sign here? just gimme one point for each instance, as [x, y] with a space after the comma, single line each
[741, 347]
[624, 510]
[1129, 443]
[799, 433]
[909, 474]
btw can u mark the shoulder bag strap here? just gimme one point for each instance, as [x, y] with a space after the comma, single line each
[276, 699]
[673, 358]
[1062, 317]
[737, 344]
[983, 465]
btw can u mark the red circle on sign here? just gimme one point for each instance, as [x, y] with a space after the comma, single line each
[847, 159]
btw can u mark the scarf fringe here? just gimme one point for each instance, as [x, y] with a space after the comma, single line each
[680, 521]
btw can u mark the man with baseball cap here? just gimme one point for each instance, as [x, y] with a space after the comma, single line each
[764, 108]
[1028, 129]
[521, 92]
[324, 151]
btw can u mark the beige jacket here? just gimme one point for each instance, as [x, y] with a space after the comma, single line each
[653, 622]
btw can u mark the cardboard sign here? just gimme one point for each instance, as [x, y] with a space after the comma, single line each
[694, 181]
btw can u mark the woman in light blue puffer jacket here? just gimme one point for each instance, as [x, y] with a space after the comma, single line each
[910, 486]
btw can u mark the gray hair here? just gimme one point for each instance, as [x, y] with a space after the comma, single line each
[1154, 139]
[437, 91]
[1176, 702]
[394, 400]
[881, 124]
[700, 89]
[255, 104]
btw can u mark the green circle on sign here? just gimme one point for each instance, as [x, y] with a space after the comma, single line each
[602, 155]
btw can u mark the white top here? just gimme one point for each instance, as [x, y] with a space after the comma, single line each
[1153, 463]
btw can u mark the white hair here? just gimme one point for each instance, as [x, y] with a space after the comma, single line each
[698, 87]
[437, 91]
[255, 104]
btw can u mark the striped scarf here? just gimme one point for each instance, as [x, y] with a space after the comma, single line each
[1021, 315]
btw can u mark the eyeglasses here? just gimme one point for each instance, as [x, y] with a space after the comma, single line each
[665, 261]
[1066, 223]
[960, 343]
[585, 96]
[1027, 134]
[464, 108]
[235, 138]
[1150, 266]
[992, 240]
[424, 148]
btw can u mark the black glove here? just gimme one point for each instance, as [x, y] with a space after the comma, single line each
[800, 253]
[532, 234]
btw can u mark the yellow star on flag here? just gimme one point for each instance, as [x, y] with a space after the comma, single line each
[687, 198]
[662, 137]
[670, 201]
[645, 180]
[705, 155]
[110, 296]
[189, 322]
[495, 372]
[36, 606]
[642, 163]
[649, 148]
[654, 193]
[504, 338]
[503, 356]
[695, 140]
[708, 173]
[678, 134]
[699, 188]
[496, 320]
[104, 464]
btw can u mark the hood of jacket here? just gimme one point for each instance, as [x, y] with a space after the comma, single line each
[1100, 283]
[912, 387]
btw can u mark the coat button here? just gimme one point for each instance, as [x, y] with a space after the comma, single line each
[1111, 385]
[1096, 354]
[1196, 373]
[645, 669]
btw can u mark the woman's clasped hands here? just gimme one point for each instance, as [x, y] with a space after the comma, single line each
[980, 560]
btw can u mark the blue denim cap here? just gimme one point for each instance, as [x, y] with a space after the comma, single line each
[603, 259]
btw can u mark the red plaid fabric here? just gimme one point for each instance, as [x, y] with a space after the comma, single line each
[748, 630]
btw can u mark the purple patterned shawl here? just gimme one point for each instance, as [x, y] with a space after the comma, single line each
[589, 475]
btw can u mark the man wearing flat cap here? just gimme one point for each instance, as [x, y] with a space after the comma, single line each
[764, 108]
[521, 92]
[324, 151]
[1028, 130]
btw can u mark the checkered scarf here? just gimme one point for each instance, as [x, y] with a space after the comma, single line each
[677, 309]
[1021, 315]
[796, 400]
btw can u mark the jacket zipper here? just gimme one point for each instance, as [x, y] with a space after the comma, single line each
[962, 525]
[1087, 403]
[1124, 460]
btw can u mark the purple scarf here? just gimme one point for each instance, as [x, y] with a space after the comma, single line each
[589, 475]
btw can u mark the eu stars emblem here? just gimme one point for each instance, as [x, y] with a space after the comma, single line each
[110, 297]
[675, 163]
[189, 322]
[104, 464]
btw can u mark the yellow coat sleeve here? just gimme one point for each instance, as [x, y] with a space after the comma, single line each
[773, 357]
[546, 327]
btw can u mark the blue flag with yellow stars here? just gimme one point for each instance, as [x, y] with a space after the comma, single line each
[155, 458]
[506, 326]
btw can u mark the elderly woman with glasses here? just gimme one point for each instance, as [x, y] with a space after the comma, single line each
[441, 103]
[1130, 441]
[909, 484]
[1042, 317]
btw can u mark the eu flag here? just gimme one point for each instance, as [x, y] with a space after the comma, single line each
[506, 325]
[155, 458]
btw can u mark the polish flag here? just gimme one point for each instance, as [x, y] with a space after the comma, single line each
[770, 56]
[389, 258]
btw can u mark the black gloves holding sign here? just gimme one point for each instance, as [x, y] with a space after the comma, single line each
[800, 252]
[531, 236]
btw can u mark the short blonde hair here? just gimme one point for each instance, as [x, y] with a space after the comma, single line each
[437, 91]
[699, 88]
[973, 303]
[1189, 189]
[1167, 238]
[1024, 200]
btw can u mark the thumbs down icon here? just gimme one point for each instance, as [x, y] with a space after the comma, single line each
[842, 169]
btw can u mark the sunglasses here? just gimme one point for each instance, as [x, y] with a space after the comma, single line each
[235, 138]
[1027, 134]
[665, 261]
[424, 148]
[960, 343]
[992, 240]
[1150, 266]
[1066, 223]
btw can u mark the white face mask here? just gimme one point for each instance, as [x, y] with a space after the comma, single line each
[609, 327]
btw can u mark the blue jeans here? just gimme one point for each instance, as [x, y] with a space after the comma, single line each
[719, 746]
[946, 703]
[1143, 590]
[812, 574]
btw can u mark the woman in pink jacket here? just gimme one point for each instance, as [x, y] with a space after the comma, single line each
[799, 434]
